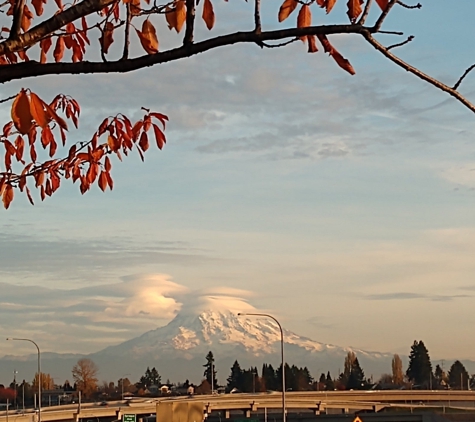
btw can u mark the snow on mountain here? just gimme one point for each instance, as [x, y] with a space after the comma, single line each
[251, 340]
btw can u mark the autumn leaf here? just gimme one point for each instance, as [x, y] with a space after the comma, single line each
[21, 114]
[304, 18]
[45, 45]
[382, 4]
[208, 14]
[170, 16]
[135, 7]
[37, 110]
[106, 38]
[354, 9]
[143, 143]
[103, 181]
[287, 7]
[38, 5]
[321, 3]
[148, 37]
[7, 196]
[312, 44]
[59, 50]
[341, 61]
[180, 15]
[329, 5]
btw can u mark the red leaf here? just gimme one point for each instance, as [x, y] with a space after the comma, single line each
[7, 196]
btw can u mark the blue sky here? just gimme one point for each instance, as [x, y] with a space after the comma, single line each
[342, 204]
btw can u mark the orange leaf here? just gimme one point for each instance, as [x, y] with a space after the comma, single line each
[55, 117]
[321, 3]
[342, 62]
[21, 114]
[26, 19]
[135, 7]
[143, 143]
[208, 14]
[148, 37]
[59, 50]
[304, 18]
[288, 6]
[312, 45]
[45, 45]
[180, 15]
[329, 5]
[28, 194]
[7, 196]
[38, 111]
[354, 9]
[106, 38]
[38, 5]
[170, 16]
[382, 4]
[102, 181]
[159, 136]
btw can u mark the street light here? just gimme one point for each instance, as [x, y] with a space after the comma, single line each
[39, 372]
[281, 354]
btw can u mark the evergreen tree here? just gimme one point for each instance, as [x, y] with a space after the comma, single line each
[269, 377]
[419, 370]
[329, 384]
[155, 377]
[458, 376]
[440, 377]
[210, 370]
[235, 378]
[356, 380]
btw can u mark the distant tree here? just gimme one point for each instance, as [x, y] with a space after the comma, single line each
[85, 376]
[235, 378]
[396, 366]
[67, 386]
[47, 382]
[210, 370]
[269, 377]
[356, 379]
[419, 370]
[155, 377]
[329, 383]
[7, 394]
[203, 388]
[278, 376]
[386, 379]
[440, 377]
[458, 376]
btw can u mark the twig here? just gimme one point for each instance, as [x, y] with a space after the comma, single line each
[125, 54]
[382, 17]
[7, 99]
[417, 6]
[409, 39]
[411, 69]
[365, 14]
[257, 16]
[17, 19]
[190, 22]
[391, 32]
[463, 76]
[279, 45]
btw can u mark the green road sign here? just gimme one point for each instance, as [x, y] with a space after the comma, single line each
[129, 418]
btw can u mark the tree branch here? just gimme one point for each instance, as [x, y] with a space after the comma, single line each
[379, 22]
[52, 24]
[33, 68]
[457, 84]
[411, 69]
[190, 22]
[17, 18]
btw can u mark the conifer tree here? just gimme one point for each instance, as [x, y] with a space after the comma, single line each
[235, 378]
[329, 383]
[210, 370]
[419, 370]
[458, 376]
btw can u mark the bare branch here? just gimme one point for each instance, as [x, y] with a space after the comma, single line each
[33, 68]
[382, 17]
[17, 18]
[190, 22]
[7, 99]
[125, 54]
[457, 84]
[365, 14]
[257, 16]
[283, 44]
[417, 6]
[409, 39]
[411, 69]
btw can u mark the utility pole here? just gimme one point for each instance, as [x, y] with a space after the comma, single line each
[14, 387]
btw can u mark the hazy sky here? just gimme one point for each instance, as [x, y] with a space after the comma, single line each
[344, 205]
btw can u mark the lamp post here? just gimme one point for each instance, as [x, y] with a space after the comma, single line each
[281, 354]
[39, 372]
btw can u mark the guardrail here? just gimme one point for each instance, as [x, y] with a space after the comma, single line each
[316, 401]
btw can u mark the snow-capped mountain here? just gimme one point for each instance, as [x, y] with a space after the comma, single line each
[178, 350]
[251, 340]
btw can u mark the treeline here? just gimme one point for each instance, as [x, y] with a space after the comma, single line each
[419, 374]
